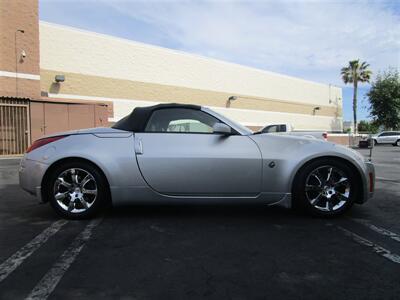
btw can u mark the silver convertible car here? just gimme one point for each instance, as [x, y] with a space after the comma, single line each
[171, 153]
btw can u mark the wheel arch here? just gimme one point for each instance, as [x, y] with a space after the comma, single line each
[61, 161]
[358, 172]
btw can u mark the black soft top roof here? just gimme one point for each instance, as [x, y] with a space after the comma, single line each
[136, 121]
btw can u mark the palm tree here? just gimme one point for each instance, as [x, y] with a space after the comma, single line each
[356, 72]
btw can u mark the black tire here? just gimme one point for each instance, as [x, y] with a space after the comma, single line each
[375, 143]
[100, 199]
[301, 200]
[397, 143]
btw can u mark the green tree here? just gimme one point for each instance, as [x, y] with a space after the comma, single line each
[365, 126]
[355, 72]
[384, 97]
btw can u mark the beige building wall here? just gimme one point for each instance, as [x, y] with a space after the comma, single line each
[104, 68]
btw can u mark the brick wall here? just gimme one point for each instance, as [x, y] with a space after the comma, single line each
[17, 16]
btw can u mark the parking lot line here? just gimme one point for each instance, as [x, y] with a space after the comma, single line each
[8, 266]
[386, 179]
[378, 229]
[50, 280]
[375, 247]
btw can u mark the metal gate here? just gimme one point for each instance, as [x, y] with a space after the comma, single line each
[14, 126]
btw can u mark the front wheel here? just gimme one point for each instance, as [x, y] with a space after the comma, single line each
[325, 188]
[76, 190]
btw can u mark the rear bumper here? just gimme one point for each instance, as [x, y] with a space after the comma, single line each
[31, 173]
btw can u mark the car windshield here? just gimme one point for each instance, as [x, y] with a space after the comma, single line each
[244, 128]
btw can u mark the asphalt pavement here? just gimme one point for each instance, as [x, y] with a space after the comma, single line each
[202, 252]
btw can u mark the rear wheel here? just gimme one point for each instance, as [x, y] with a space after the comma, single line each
[397, 143]
[76, 190]
[325, 187]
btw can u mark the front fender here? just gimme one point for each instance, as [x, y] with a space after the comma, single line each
[288, 154]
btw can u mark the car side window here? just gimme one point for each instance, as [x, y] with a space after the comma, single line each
[271, 128]
[182, 120]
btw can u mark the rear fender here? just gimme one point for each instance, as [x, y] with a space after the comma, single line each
[114, 156]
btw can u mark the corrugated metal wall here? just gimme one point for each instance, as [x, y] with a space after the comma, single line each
[48, 118]
[19, 119]
[14, 126]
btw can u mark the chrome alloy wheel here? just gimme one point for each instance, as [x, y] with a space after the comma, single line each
[327, 188]
[75, 190]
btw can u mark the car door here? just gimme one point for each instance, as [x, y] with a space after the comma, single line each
[388, 137]
[391, 138]
[178, 154]
[382, 138]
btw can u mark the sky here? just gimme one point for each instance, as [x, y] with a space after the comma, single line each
[307, 39]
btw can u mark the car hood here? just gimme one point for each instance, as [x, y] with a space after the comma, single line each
[303, 147]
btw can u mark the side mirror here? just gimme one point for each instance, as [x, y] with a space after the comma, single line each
[222, 129]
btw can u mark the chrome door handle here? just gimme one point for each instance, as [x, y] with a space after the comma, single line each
[138, 146]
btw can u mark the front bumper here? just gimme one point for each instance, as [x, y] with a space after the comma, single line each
[370, 178]
[31, 173]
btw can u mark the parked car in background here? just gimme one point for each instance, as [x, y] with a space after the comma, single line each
[286, 128]
[387, 137]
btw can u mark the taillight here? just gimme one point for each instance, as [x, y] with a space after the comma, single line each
[39, 143]
[325, 136]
